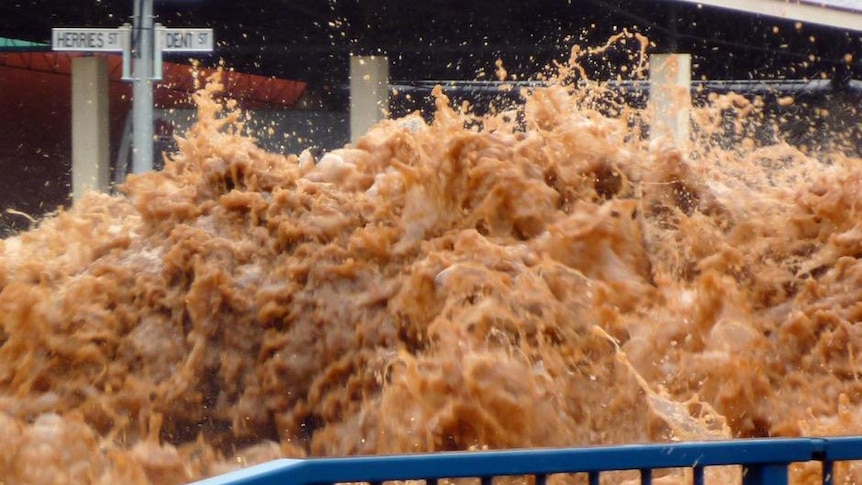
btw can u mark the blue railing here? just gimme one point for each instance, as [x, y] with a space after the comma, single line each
[763, 461]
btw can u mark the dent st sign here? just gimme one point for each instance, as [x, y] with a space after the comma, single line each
[184, 40]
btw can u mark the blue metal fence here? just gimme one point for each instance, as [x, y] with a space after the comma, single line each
[763, 461]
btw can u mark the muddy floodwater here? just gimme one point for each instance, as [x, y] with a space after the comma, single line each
[545, 276]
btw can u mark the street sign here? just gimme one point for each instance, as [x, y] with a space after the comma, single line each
[179, 40]
[143, 51]
[112, 40]
[120, 40]
[85, 39]
[185, 40]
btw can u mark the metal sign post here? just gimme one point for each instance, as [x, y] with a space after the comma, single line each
[142, 45]
[142, 91]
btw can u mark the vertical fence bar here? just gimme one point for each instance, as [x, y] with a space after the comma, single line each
[541, 479]
[646, 476]
[773, 474]
[699, 478]
[828, 472]
[595, 478]
[487, 480]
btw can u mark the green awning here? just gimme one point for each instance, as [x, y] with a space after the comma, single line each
[17, 44]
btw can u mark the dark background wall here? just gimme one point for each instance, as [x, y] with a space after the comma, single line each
[310, 40]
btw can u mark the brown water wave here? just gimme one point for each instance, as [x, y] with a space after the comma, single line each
[542, 278]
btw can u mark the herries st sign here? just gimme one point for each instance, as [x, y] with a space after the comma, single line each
[88, 40]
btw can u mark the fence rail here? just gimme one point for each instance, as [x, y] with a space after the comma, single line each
[763, 461]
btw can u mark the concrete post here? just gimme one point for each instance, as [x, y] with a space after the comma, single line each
[369, 93]
[90, 138]
[670, 97]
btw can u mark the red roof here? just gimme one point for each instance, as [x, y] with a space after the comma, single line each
[250, 90]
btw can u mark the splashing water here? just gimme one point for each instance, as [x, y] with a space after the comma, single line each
[547, 278]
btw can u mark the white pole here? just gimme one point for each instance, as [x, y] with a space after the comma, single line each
[369, 93]
[90, 143]
[142, 94]
[670, 97]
